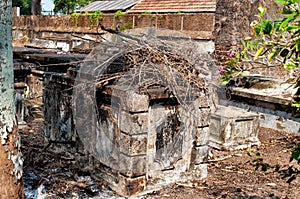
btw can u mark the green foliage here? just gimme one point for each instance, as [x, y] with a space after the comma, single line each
[288, 172]
[118, 14]
[296, 105]
[25, 6]
[123, 27]
[280, 38]
[266, 27]
[153, 15]
[273, 41]
[126, 26]
[259, 163]
[26, 3]
[286, 3]
[147, 13]
[261, 11]
[95, 17]
[296, 154]
[68, 6]
[74, 18]
[232, 66]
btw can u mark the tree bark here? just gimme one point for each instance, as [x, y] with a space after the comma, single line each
[36, 7]
[10, 186]
[11, 161]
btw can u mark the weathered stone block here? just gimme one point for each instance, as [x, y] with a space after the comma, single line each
[130, 100]
[202, 136]
[200, 154]
[202, 101]
[200, 171]
[233, 128]
[133, 144]
[135, 102]
[203, 116]
[132, 165]
[130, 186]
[133, 123]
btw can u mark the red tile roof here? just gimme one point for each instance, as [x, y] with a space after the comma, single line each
[174, 6]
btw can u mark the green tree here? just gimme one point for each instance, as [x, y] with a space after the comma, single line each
[10, 156]
[279, 39]
[68, 6]
[28, 7]
[274, 43]
[25, 6]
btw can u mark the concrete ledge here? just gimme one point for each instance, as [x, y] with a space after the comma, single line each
[268, 97]
[274, 119]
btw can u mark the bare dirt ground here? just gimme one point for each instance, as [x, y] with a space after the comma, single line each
[234, 176]
[230, 173]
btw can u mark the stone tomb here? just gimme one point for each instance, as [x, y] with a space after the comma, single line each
[233, 128]
[139, 139]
